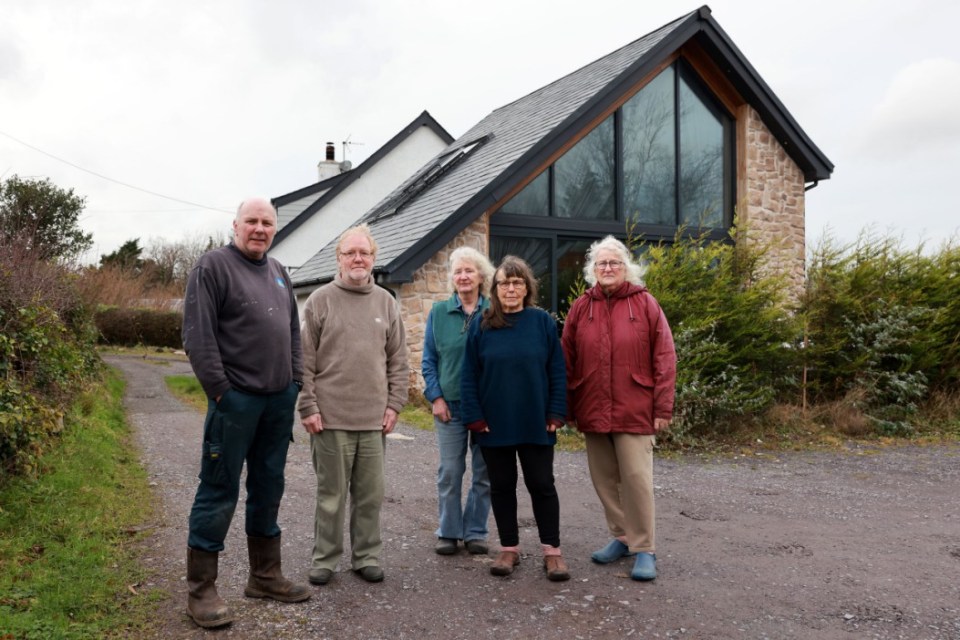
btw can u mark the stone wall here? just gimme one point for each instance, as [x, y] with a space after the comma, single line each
[771, 199]
[431, 284]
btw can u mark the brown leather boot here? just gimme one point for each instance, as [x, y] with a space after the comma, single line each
[505, 562]
[266, 580]
[556, 568]
[204, 604]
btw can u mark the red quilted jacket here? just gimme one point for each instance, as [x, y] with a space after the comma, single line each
[621, 363]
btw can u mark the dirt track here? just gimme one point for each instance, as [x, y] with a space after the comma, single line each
[862, 544]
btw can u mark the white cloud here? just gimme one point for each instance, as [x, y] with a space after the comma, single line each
[919, 113]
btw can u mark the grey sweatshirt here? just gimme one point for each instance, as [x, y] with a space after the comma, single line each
[240, 324]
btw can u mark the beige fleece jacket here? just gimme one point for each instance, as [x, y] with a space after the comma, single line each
[354, 356]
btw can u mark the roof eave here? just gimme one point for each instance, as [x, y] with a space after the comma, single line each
[742, 75]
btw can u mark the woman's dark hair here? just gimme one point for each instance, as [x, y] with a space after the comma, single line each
[510, 267]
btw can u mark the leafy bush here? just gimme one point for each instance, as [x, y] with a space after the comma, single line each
[882, 326]
[734, 333]
[132, 327]
[47, 355]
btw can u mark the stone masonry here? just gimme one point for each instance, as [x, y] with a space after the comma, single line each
[431, 284]
[772, 206]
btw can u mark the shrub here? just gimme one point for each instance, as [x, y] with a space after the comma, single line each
[882, 325]
[132, 327]
[46, 355]
[734, 332]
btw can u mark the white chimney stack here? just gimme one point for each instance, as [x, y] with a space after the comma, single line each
[329, 167]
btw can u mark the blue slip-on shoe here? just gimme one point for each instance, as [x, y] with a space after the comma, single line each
[611, 553]
[645, 566]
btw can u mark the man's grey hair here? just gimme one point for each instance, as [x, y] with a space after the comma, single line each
[481, 262]
[359, 230]
[634, 270]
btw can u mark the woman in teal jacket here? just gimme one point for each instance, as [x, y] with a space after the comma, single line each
[444, 338]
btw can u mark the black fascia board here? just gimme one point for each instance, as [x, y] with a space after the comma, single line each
[746, 80]
[423, 120]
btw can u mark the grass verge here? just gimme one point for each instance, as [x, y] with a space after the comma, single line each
[68, 562]
[187, 389]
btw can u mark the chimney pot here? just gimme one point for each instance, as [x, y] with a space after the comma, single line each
[330, 151]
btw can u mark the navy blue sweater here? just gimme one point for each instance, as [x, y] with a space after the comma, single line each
[515, 379]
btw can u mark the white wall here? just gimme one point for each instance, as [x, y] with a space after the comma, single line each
[358, 198]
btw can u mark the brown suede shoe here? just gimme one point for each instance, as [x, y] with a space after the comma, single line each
[505, 562]
[556, 568]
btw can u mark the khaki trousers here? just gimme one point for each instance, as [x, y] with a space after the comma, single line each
[621, 467]
[347, 463]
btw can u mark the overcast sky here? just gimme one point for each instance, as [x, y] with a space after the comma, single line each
[206, 102]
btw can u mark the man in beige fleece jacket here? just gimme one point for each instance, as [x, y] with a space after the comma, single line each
[354, 385]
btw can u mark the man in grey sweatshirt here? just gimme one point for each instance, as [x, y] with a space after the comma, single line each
[241, 332]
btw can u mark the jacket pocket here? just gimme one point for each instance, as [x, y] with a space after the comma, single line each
[642, 380]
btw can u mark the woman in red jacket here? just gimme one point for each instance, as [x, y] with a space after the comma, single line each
[621, 372]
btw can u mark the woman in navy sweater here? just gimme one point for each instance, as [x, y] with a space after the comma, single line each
[513, 397]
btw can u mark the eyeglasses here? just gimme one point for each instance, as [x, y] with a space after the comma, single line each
[352, 255]
[611, 264]
[503, 285]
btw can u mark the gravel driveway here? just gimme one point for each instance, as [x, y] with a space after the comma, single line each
[860, 544]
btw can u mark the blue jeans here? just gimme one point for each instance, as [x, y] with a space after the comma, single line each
[460, 522]
[249, 428]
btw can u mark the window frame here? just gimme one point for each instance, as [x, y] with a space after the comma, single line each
[552, 227]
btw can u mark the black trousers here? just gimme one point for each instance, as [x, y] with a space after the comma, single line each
[537, 464]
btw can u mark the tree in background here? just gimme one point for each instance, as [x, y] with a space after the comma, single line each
[126, 259]
[42, 218]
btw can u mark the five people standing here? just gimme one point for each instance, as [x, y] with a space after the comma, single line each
[445, 337]
[621, 370]
[493, 366]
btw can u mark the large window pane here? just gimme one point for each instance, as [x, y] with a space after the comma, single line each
[533, 200]
[536, 252]
[701, 162]
[584, 177]
[571, 254]
[649, 155]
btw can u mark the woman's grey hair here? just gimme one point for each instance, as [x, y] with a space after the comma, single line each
[634, 270]
[482, 264]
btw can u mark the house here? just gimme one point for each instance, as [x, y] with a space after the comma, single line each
[674, 129]
[308, 218]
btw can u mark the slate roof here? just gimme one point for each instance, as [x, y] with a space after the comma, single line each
[520, 136]
[332, 187]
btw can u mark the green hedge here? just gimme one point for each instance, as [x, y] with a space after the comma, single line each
[47, 357]
[132, 327]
